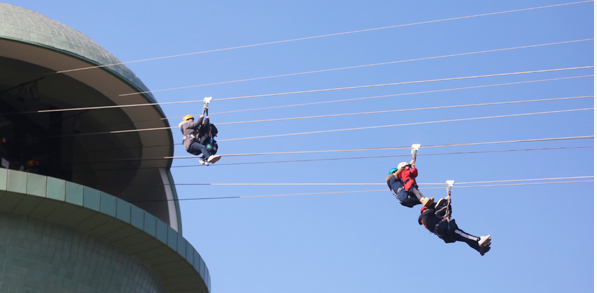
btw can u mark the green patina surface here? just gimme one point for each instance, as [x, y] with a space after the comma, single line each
[39, 256]
[88, 232]
[24, 25]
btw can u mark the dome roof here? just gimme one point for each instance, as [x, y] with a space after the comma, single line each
[34, 46]
[28, 26]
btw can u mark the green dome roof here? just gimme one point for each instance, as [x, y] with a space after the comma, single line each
[24, 25]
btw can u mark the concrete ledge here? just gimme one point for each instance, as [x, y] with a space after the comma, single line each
[105, 217]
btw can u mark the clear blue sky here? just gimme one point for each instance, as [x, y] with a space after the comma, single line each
[366, 242]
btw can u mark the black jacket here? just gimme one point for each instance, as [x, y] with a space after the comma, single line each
[430, 219]
[204, 132]
[434, 223]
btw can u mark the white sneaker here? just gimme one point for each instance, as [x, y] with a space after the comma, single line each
[213, 158]
[485, 240]
[202, 161]
[440, 203]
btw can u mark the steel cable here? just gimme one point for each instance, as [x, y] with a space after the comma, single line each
[404, 124]
[360, 191]
[391, 95]
[346, 158]
[325, 35]
[354, 67]
[310, 91]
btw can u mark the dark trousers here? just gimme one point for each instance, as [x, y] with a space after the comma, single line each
[472, 241]
[450, 233]
[410, 198]
[197, 149]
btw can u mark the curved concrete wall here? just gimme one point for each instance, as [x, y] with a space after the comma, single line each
[105, 219]
[39, 256]
[50, 46]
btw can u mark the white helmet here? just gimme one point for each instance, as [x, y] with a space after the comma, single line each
[402, 165]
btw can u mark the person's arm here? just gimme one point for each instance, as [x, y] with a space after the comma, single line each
[197, 123]
[414, 172]
[412, 162]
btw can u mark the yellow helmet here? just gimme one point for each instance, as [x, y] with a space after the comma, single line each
[185, 118]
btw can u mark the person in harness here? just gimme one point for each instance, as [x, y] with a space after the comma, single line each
[207, 132]
[401, 182]
[438, 222]
[406, 198]
[198, 139]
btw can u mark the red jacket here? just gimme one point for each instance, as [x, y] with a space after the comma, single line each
[408, 177]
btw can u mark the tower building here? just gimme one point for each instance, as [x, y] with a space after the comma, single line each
[87, 204]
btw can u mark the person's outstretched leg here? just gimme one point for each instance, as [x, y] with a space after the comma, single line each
[480, 244]
[426, 201]
[471, 240]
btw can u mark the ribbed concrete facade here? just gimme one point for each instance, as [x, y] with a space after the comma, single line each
[38, 256]
[50, 226]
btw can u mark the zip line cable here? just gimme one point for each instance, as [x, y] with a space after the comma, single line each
[362, 184]
[333, 151]
[347, 150]
[379, 157]
[404, 110]
[309, 91]
[373, 184]
[322, 36]
[516, 180]
[347, 192]
[354, 99]
[354, 150]
[324, 102]
[392, 95]
[405, 82]
[321, 116]
[405, 147]
[359, 113]
[404, 124]
[333, 101]
[354, 67]
[515, 184]
[345, 158]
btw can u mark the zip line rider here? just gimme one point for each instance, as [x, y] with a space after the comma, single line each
[401, 182]
[207, 132]
[190, 131]
[407, 199]
[437, 221]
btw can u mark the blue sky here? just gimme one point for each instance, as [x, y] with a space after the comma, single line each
[366, 242]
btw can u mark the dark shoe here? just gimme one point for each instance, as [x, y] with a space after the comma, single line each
[440, 203]
[202, 161]
[441, 212]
